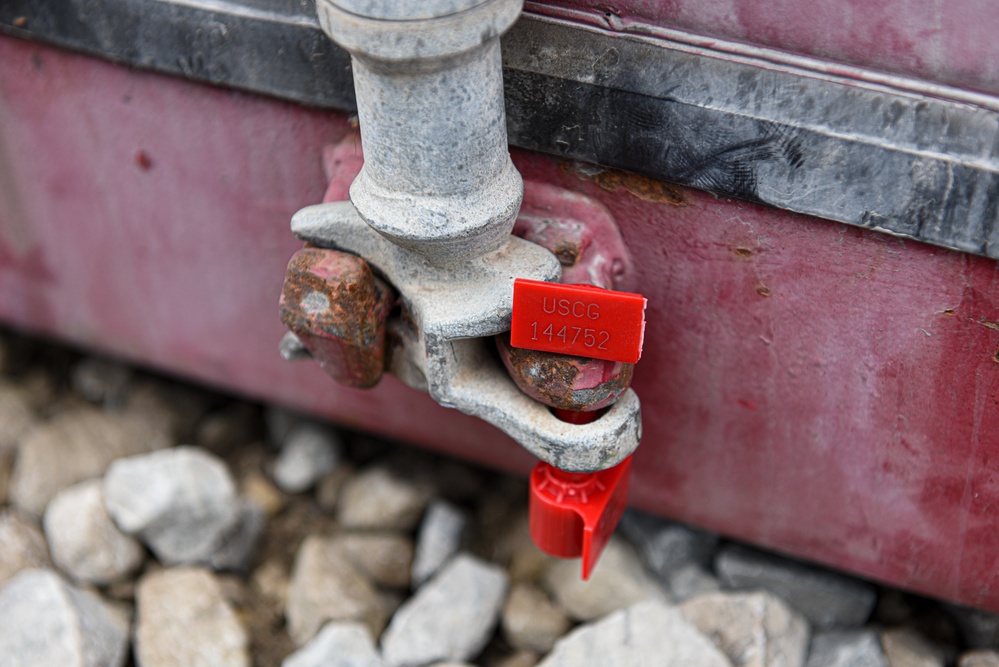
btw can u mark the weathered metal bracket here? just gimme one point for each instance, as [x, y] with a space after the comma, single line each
[908, 157]
[456, 309]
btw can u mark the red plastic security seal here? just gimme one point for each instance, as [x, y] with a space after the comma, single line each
[574, 514]
[580, 320]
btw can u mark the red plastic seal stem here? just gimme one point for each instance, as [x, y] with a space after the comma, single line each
[574, 514]
[580, 320]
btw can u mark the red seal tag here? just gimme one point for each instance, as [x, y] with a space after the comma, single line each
[580, 320]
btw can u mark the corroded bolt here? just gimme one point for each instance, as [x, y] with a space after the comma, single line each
[584, 237]
[337, 307]
[565, 382]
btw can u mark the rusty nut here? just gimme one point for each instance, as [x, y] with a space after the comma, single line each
[337, 307]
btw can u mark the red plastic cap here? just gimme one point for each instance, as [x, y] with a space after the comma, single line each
[580, 320]
[575, 514]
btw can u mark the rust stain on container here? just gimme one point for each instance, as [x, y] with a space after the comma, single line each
[988, 325]
[567, 253]
[643, 187]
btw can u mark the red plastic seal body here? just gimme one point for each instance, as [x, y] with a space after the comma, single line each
[574, 514]
[580, 320]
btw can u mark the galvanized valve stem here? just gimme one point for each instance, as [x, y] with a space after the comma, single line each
[437, 176]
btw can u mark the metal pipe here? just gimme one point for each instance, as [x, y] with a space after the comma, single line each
[437, 177]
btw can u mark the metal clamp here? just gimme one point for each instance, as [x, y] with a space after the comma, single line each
[433, 208]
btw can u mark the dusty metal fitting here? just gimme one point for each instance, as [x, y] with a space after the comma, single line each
[456, 312]
[337, 309]
[437, 178]
[432, 209]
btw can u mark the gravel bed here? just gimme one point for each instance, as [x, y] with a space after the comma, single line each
[147, 522]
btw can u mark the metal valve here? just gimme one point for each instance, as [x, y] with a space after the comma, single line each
[415, 274]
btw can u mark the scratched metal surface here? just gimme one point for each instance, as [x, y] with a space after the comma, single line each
[664, 89]
[816, 388]
[905, 164]
[949, 42]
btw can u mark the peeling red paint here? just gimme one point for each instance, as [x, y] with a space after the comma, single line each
[643, 187]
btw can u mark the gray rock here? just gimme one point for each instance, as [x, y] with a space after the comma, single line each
[905, 647]
[381, 499]
[181, 502]
[73, 446]
[309, 452]
[690, 581]
[45, 622]
[337, 645]
[326, 586]
[646, 634]
[752, 629]
[22, 545]
[16, 416]
[619, 580]
[666, 546]
[101, 381]
[438, 540]
[828, 600]
[239, 546]
[846, 648]
[450, 618]
[84, 541]
[530, 621]
[979, 658]
[183, 620]
[385, 558]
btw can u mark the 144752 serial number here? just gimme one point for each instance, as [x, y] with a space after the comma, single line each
[595, 338]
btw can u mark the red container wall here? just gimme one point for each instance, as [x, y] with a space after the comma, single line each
[806, 386]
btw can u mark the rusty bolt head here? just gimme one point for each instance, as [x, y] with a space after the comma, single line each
[563, 381]
[337, 307]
